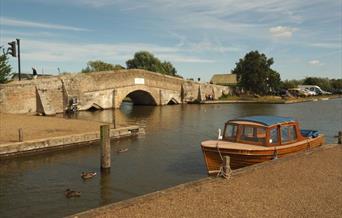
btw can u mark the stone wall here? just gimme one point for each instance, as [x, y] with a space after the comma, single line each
[18, 98]
[52, 91]
[99, 89]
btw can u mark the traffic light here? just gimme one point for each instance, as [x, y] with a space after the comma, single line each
[12, 50]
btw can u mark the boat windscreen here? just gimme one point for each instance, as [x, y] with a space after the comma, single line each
[253, 134]
[231, 132]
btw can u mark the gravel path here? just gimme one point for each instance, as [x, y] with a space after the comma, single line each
[306, 185]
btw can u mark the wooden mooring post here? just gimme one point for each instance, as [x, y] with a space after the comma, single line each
[105, 147]
[339, 140]
[21, 135]
[227, 171]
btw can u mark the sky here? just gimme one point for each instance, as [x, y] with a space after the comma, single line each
[199, 37]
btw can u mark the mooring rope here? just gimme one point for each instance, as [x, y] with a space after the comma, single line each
[275, 153]
[308, 145]
[222, 170]
[219, 151]
[221, 173]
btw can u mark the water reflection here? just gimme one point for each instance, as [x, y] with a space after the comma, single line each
[169, 154]
[256, 109]
[105, 187]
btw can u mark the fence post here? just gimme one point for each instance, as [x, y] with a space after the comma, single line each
[339, 141]
[105, 147]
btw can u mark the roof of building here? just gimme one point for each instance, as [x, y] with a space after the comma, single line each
[266, 120]
[224, 79]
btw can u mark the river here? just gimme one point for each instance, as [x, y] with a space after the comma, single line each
[168, 154]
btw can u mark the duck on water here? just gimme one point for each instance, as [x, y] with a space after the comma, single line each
[255, 139]
[87, 175]
[71, 193]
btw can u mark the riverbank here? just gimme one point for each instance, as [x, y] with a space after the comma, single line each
[41, 133]
[269, 99]
[306, 184]
[38, 127]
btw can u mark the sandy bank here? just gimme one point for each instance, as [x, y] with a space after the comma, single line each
[306, 185]
[37, 127]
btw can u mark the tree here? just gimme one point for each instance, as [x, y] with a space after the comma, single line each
[118, 67]
[289, 84]
[254, 74]
[96, 66]
[169, 68]
[273, 81]
[145, 60]
[5, 68]
[336, 84]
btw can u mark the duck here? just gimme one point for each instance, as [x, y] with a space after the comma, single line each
[87, 175]
[71, 194]
[122, 150]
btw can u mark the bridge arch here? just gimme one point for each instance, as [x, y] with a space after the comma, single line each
[172, 101]
[139, 95]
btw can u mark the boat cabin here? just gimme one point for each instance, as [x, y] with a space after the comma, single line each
[263, 131]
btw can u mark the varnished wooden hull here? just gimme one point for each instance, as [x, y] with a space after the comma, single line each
[241, 158]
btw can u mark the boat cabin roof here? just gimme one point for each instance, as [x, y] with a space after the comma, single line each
[265, 120]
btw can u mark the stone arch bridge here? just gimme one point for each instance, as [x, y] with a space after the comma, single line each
[102, 90]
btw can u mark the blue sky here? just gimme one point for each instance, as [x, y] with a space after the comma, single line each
[199, 37]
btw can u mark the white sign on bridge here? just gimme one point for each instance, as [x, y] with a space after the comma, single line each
[139, 81]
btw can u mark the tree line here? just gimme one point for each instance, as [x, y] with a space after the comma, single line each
[141, 60]
[253, 71]
[330, 85]
[255, 75]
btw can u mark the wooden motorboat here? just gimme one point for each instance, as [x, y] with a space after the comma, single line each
[255, 139]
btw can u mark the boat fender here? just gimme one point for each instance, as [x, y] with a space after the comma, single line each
[219, 134]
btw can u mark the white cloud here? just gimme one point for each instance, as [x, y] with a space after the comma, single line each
[315, 62]
[23, 23]
[97, 3]
[282, 31]
[328, 45]
[207, 46]
[214, 7]
[64, 52]
[242, 17]
[178, 58]
[213, 45]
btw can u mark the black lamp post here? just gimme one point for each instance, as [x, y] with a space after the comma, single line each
[19, 69]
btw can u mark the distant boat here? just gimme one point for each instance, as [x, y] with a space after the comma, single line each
[255, 139]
